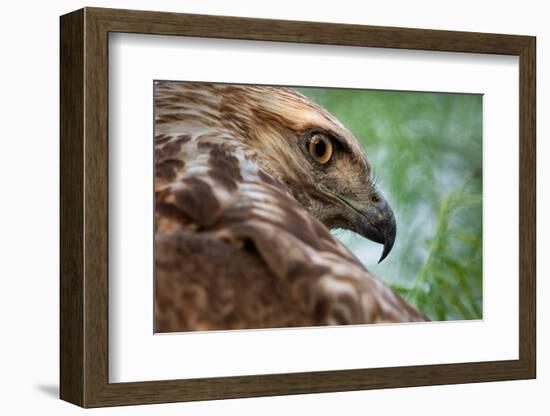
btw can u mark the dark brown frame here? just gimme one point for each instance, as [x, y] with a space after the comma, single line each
[84, 212]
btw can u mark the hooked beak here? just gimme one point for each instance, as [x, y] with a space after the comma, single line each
[373, 220]
[377, 223]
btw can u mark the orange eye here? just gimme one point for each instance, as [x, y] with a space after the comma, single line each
[320, 148]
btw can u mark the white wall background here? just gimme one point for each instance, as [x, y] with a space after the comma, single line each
[29, 210]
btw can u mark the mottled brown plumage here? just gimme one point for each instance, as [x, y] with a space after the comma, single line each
[248, 181]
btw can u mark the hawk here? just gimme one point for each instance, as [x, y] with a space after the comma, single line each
[248, 182]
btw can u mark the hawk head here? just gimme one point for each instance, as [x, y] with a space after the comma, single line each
[296, 142]
[315, 156]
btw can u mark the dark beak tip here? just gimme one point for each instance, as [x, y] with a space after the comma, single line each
[387, 249]
[389, 239]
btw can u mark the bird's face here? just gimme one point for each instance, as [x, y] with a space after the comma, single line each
[322, 165]
[343, 193]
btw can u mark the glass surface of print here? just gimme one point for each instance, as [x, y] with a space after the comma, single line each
[274, 205]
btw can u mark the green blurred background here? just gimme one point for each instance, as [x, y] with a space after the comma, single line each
[426, 151]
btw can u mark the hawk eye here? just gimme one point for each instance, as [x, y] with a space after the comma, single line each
[320, 148]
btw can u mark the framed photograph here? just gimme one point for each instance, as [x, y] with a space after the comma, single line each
[256, 207]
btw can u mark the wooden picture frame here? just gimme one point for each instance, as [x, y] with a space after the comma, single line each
[84, 207]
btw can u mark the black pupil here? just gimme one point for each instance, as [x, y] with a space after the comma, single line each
[320, 148]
